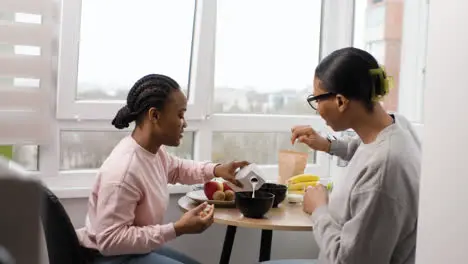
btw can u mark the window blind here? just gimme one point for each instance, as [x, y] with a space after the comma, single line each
[26, 70]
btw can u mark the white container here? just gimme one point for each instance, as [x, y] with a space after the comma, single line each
[295, 198]
[247, 175]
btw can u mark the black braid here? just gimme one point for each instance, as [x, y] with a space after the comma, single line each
[152, 90]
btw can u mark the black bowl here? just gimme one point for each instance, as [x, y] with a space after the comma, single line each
[254, 207]
[279, 190]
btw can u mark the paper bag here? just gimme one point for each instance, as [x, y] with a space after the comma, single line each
[291, 163]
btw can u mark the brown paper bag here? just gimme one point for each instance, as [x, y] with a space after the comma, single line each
[291, 163]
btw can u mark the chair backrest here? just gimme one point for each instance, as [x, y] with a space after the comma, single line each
[62, 242]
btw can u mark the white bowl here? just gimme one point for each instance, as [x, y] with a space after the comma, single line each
[295, 198]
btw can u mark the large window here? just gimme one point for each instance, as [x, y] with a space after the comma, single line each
[378, 29]
[134, 39]
[237, 67]
[257, 147]
[89, 149]
[266, 65]
[100, 59]
[246, 66]
[394, 32]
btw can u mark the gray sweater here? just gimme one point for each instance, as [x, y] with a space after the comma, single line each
[372, 215]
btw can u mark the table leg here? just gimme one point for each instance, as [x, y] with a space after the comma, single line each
[265, 245]
[227, 245]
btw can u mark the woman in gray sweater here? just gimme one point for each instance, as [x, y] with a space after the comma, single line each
[371, 214]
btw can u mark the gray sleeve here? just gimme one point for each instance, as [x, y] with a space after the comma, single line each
[344, 148]
[369, 237]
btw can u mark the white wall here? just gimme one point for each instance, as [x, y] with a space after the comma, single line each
[443, 212]
[246, 245]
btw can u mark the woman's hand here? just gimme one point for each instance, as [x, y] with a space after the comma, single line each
[315, 197]
[308, 136]
[196, 220]
[227, 171]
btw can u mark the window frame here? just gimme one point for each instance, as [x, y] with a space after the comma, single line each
[202, 57]
[81, 116]
[412, 70]
[78, 183]
[413, 61]
[72, 116]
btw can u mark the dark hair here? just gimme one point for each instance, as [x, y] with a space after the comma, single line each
[152, 90]
[351, 72]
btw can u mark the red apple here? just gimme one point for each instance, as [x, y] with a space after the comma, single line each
[226, 187]
[211, 187]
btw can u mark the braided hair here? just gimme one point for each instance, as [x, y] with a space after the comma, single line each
[152, 90]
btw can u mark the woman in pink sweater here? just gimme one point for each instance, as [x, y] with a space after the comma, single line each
[130, 197]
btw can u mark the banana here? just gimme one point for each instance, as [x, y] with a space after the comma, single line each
[299, 188]
[302, 185]
[303, 178]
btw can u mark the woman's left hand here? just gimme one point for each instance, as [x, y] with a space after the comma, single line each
[314, 197]
[227, 171]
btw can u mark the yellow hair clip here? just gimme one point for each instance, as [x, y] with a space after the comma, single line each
[386, 82]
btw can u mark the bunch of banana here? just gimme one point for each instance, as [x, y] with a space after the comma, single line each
[303, 178]
[300, 182]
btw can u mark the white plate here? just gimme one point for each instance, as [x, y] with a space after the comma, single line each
[200, 197]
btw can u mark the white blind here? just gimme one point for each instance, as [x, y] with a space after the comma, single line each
[27, 36]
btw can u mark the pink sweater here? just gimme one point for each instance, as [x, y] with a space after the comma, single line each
[130, 197]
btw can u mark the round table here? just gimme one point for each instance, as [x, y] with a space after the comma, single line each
[287, 217]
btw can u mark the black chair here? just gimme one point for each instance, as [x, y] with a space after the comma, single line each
[62, 242]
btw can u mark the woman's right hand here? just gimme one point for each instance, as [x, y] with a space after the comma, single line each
[196, 220]
[308, 136]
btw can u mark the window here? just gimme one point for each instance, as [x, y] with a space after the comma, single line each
[263, 73]
[25, 155]
[155, 37]
[89, 99]
[395, 33]
[260, 148]
[247, 87]
[247, 75]
[247, 67]
[266, 66]
[89, 149]
[381, 35]
[378, 49]
[137, 41]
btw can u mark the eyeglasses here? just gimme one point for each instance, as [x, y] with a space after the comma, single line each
[313, 100]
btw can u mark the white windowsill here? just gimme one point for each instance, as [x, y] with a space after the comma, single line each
[79, 184]
[78, 193]
[70, 192]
